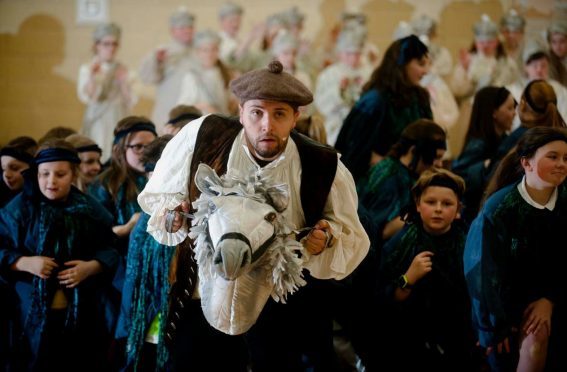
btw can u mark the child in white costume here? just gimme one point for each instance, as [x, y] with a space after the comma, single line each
[104, 86]
[484, 65]
[166, 65]
[339, 85]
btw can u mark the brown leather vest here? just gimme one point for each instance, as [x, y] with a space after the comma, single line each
[212, 147]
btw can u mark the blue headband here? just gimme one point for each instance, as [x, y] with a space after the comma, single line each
[89, 148]
[138, 127]
[16, 154]
[57, 154]
[411, 48]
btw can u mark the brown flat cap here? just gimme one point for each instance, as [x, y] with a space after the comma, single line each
[272, 84]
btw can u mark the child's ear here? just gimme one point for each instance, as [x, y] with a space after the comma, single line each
[525, 162]
[459, 209]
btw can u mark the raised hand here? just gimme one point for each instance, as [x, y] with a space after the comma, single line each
[420, 266]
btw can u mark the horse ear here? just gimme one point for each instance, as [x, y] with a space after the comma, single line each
[278, 197]
[206, 178]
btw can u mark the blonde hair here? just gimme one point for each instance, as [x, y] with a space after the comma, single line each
[78, 140]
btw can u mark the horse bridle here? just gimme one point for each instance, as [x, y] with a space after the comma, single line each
[239, 236]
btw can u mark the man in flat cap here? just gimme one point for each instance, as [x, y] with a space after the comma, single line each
[322, 196]
[166, 65]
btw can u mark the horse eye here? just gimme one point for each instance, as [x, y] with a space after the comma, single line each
[270, 217]
[212, 207]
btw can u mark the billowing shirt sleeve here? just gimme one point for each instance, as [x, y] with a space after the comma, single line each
[352, 243]
[167, 187]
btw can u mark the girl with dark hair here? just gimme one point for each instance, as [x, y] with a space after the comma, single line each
[56, 252]
[118, 186]
[492, 115]
[145, 292]
[512, 260]
[390, 101]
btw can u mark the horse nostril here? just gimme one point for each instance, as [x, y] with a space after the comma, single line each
[244, 259]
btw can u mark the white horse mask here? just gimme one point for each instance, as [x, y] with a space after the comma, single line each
[244, 249]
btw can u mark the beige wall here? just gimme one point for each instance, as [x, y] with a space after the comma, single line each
[42, 47]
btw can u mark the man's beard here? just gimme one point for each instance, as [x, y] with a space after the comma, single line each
[272, 151]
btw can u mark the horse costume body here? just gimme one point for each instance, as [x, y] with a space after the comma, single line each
[314, 170]
[245, 250]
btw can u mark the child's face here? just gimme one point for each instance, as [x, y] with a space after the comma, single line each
[537, 69]
[548, 167]
[12, 169]
[106, 48]
[416, 69]
[487, 48]
[208, 54]
[438, 206]
[558, 43]
[90, 164]
[55, 179]
[351, 59]
[183, 34]
[135, 148]
[504, 115]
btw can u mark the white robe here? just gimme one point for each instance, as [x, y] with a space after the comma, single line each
[168, 187]
[167, 76]
[106, 107]
[227, 46]
[333, 103]
[200, 85]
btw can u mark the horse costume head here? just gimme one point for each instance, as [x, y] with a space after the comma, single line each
[245, 249]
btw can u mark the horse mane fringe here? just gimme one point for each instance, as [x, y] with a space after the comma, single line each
[284, 255]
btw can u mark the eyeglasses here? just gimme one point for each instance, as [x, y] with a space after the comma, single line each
[137, 148]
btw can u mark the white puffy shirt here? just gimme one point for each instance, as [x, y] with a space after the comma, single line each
[168, 187]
